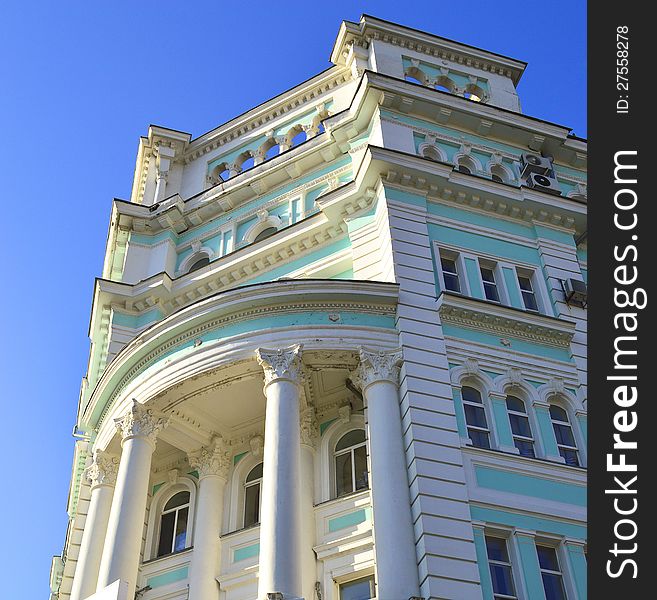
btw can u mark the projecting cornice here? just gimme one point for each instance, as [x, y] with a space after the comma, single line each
[233, 306]
[370, 28]
[504, 321]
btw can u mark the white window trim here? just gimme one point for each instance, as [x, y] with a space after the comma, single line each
[459, 260]
[471, 381]
[184, 483]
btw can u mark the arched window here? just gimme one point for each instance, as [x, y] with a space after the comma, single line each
[351, 463]
[252, 486]
[465, 164]
[296, 136]
[265, 233]
[431, 153]
[199, 264]
[173, 524]
[272, 151]
[564, 434]
[475, 417]
[520, 427]
[415, 75]
[498, 173]
[445, 84]
[474, 92]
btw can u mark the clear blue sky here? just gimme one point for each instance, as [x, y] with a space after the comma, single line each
[79, 83]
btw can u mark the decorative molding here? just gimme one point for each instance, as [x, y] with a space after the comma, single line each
[103, 469]
[505, 321]
[140, 421]
[257, 445]
[213, 459]
[281, 363]
[309, 427]
[377, 365]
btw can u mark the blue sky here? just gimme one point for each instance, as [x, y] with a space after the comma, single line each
[79, 83]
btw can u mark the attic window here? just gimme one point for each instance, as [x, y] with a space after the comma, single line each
[265, 233]
[199, 264]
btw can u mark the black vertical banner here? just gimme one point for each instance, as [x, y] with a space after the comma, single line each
[622, 241]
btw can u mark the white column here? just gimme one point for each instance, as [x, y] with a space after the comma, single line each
[394, 544]
[212, 464]
[101, 475]
[280, 511]
[138, 429]
[309, 435]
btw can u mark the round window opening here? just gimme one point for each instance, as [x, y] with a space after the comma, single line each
[265, 233]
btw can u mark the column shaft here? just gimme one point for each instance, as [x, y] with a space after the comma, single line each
[91, 547]
[280, 515]
[394, 546]
[212, 464]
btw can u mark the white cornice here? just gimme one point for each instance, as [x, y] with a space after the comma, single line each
[505, 321]
[370, 28]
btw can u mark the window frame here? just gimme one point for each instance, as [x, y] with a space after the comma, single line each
[498, 280]
[350, 449]
[184, 483]
[245, 485]
[176, 510]
[353, 580]
[526, 415]
[530, 275]
[510, 564]
[483, 406]
[560, 563]
[570, 425]
[457, 258]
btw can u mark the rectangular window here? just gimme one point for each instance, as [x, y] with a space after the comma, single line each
[450, 272]
[551, 573]
[488, 280]
[501, 571]
[527, 290]
[360, 589]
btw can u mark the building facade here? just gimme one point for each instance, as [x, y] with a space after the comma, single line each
[338, 347]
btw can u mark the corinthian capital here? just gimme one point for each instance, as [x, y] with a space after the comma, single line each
[377, 365]
[103, 469]
[213, 459]
[284, 363]
[140, 421]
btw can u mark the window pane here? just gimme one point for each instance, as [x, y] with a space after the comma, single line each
[181, 530]
[452, 283]
[475, 415]
[177, 500]
[520, 425]
[343, 474]
[529, 300]
[362, 589]
[547, 558]
[357, 436]
[490, 290]
[166, 533]
[525, 283]
[265, 234]
[564, 435]
[199, 264]
[502, 579]
[513, 403]
[570, 456]
[553, 586]
[479, 439]
[558, 414]
[470, 394]
[255, 473]
[252, 505]
[360, 466]
[496, 549]
[525, 448]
